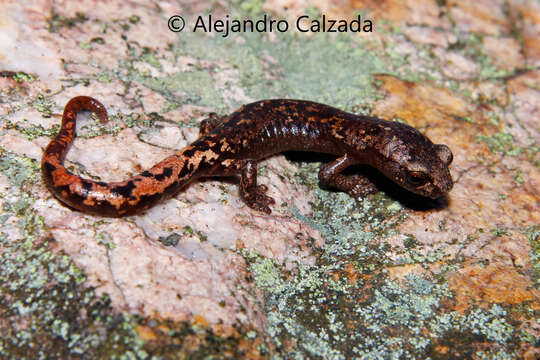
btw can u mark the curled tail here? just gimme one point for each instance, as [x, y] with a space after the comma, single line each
[113, 199]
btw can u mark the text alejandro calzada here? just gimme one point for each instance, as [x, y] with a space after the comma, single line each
[266, 24]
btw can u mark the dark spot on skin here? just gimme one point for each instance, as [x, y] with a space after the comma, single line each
[171, 189]
[49, 167]
[187, 169]
[124, 191]
[167, 172]
[184, 171]
[101, 183]
[87, 187]
[56, 147]
[147, 174]
[64, 189]
[189, 152]
[148, 200]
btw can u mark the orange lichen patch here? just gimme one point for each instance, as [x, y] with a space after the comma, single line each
[491, 284]
[530, 200]
[532, 353]
[343, 9]
[292, 9]
[419, 12]
[167, 334]
[442, 349]
[146, 333]
[225, 331]
[421, 104]
[351, 273]
[248, 347]
[447, 117]
[200, 321]
[401, 272]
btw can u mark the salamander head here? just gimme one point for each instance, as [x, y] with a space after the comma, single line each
[411, 160]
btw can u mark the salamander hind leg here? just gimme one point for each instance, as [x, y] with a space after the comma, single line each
[209, 124]
[252, 194]
[356, 186]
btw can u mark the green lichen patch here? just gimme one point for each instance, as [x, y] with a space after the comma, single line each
[57, 22]
[501, 143]
[345, 307]
[196, 87]
[465, 336]
[294, 66]
[90, 129]
[173, 340]
[170, 240]
[372, 318]
[533, 234]
[45, 309]
[173, 238]
[31, 131]
[351, 228]
[261, 68]
[19, 170]
[48, 312]
[117, 123]
[249, 9]
[43, 104]
[19, 76]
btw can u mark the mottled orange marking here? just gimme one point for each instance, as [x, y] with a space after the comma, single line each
[89, 202]
[200, 321]
[351, 273]
[146, 333]
[491, 284]
[225, 146]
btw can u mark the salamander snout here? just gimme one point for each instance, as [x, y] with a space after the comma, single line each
[431, 177]
[421, 170]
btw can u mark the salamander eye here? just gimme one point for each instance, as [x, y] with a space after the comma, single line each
[417, 178]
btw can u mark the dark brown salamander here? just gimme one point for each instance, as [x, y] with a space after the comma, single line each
[234, 144]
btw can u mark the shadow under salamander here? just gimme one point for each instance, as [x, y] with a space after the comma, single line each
[384, 184]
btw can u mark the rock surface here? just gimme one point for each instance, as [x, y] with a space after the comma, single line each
[321, 277]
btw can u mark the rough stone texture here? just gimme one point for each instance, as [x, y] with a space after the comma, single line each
[323, 276]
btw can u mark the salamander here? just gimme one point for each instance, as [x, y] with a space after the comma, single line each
[234, 144]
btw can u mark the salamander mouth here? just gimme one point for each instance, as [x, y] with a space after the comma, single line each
[440, 191]
[429, 190]
[436, 195]
[447, 185]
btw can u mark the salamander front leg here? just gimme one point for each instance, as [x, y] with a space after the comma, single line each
[208, 124]
[356, 186]
[251, 193]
